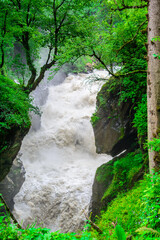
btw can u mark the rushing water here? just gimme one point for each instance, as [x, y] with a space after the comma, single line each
[60, 158]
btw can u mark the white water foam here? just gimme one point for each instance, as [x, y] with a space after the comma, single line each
[60, 158]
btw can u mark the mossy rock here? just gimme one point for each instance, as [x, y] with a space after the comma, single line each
[114, 177]
[112, 121]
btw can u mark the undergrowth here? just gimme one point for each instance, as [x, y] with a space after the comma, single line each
[124, 171]
[137, 212]
[133, 215]
[15, 105]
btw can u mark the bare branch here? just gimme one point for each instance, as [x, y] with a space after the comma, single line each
[131, 7]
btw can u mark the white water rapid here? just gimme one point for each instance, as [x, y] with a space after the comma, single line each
[60, 158]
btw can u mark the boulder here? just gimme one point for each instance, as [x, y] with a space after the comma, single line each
[12, 183]
[10, 143]
[116, 176]
[113, 130]
[103, 179]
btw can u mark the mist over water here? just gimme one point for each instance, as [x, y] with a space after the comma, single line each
[60, 157]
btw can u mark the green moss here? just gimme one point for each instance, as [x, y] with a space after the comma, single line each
[122, 130]
[94, 119]
[104, 172]
[124, 170]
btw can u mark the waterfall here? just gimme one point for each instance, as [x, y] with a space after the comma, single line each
[60, 157]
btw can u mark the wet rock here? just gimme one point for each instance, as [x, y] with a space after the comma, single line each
[116, 176]
[113, 131]
[12, 183]
[10, 143]
[103, 179]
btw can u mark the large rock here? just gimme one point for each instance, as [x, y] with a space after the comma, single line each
[12, 183]
[114, 177]
[10, 143]
[113, 131]
[103, 179]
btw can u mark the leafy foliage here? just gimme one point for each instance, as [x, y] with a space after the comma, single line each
[9, 230]
[124, 171]
[140, 119]
[138, 208]
[15, 105]
[154, 145]
[94, 119]
[120, 233]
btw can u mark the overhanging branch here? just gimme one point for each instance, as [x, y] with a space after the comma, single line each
[128, 7]
[131, 40]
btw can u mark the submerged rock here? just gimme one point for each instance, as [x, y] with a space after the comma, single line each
[12, 183]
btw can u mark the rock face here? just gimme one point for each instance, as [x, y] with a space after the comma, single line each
[12, 183]
[116, 176]
[113, 131]
[103, 178]
[12, 139]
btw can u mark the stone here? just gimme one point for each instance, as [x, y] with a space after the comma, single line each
[12, 183]
[103, 178]
[12, 139]
[114, 130]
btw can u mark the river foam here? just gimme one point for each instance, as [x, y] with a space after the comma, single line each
[60, 157]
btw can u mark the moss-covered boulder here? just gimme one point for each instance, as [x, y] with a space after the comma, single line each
[118, 175]
[112, 122]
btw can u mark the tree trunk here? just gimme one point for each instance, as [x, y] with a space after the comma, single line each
[153, 79]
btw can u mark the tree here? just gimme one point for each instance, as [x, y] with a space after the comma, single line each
[50, 24]
[153, 81]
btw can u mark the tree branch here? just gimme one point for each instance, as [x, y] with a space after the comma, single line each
[25, 42]
[28, 21]
[102, 62]
[45, 67]
[126, 43]
[60, 4]
[129, 7]
[130, 73]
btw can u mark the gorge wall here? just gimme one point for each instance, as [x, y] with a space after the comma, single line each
[114, 134]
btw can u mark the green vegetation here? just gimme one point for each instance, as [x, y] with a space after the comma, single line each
[135, 213]
[124, 171]
[109, 33]
[94, 119]
[15, 105]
